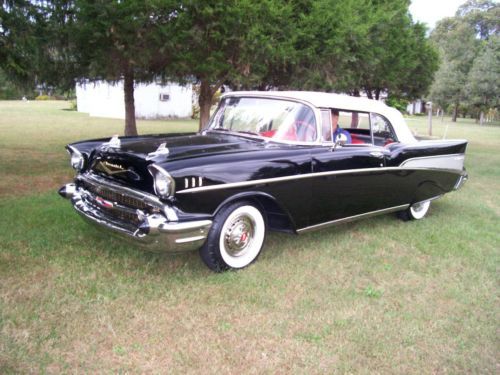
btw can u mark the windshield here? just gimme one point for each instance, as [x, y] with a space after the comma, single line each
[272, 118]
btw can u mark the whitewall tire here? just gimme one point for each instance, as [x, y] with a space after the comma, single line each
[236, 237]
[416, 211]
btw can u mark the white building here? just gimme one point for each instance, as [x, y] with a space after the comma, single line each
[417, 106]
[102, 99]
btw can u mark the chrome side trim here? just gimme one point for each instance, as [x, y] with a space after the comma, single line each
[231, 185]
[352, 218]
[448, 161]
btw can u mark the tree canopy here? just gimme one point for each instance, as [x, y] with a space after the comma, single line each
[349, 46]
[122, 40]
[468, 47]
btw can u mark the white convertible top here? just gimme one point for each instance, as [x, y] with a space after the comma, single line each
[338, 101]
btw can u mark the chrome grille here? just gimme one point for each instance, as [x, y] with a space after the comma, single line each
[111, 195]
[116, 213]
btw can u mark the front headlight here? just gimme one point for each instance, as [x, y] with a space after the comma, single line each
[164, 184]
[77, 159]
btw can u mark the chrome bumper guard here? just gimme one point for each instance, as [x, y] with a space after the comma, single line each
[461, 180]
[153, 230]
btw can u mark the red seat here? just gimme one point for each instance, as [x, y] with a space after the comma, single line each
[355, 139]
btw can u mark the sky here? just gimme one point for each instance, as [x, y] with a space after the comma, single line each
[431, 11]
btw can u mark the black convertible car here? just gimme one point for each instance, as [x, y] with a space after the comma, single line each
[284, 161]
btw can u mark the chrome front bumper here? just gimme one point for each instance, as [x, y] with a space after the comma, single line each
[154, 230]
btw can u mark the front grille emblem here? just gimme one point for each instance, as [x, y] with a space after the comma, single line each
[104, 203]
[110, 168]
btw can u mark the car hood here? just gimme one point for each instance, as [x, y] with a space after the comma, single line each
[129, 162]
[185, 146]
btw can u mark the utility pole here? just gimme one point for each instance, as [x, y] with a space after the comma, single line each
[428, 105]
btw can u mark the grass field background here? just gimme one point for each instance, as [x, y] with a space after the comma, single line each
[375, 296]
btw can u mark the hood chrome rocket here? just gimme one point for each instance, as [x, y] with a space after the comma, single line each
[161, 150]
[114, 142]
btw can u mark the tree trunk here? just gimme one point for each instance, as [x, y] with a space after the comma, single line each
[354, 120]
[205, 102]
[128, 87]
[455, 113]
[377, 94]
[481, 118]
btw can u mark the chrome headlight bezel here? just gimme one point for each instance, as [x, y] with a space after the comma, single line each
[77, 159]
[163, 183]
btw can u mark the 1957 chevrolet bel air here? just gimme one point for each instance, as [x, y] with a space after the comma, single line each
[267, 161]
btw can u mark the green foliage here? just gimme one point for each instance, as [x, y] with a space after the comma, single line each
[354, 46]
[73, 106]
[10, 90]
[232, 42]
[470, 62]
[482, 89]
[396, 102]
[348, 46]
[43, 97]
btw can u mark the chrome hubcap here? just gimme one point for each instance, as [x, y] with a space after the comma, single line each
[239, 235]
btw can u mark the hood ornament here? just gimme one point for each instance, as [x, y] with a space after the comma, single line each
[161, 150]
[114, 142]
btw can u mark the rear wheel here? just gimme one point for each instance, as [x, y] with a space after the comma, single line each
[236, 237]
[416, 211]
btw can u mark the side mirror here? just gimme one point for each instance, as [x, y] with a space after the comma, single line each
[340, 141]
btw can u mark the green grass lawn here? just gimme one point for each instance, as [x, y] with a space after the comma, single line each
[375, 296]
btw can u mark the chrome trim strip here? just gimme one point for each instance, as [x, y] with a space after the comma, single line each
[352, 218]
[446, 161]
[300, 177]
[430, 157]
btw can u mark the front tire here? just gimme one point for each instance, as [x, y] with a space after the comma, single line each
[236, 237]
[416, 211]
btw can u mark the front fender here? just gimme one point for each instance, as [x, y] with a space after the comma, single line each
[278, 217]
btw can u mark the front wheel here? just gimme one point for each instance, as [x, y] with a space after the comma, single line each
[416, 211]
[236, 237]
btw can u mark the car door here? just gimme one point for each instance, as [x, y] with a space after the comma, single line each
[348, 180]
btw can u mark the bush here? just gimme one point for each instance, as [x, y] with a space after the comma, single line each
[399, 103]
[43, 97]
